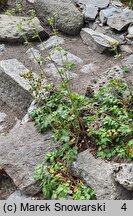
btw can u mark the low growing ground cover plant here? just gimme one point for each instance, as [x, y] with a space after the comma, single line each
[112, 129]
[59, 109]
[104, 122]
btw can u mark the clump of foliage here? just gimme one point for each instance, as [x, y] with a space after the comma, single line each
[15, 11]
[112, 130]
[59, 109]
[77, 123]
[57, 181]
[105, 121]
[114, 47]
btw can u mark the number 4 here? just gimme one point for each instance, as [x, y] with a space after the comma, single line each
[124, 207]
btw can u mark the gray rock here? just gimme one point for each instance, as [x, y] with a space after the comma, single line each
[103, 80]
[90, 13]
[123, 174]
[30, 1]
[7, 186]
[27, 117]
[2, 47]
[100, 3]
[69, 19]
[10, 31]
[90, 8]
[127, 49]
[128, 62]
[51, 71]
[89, 68]
[130, 31]
[96, 3]
[96, 40]
[14, 90]
[14, 68]
[106, 13]
[51, 43]
[20, 151]
[121, 21]
[18, 196]
[60, 57]
[2, 127]
[117, 3]
[18, 1]
[2, 117]
[34, 54]
[98, 174]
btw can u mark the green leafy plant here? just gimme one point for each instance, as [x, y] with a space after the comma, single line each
[114, 48]
[104, 121]
[57, 181]
[126, 70]
[112, 129]
[15, 11]
[59, 109]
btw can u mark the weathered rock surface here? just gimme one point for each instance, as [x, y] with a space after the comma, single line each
[7, 186]
[60, 56]
[90, 8]
[14, 90]
[8, 118]
[2, 117]
[51, 43]
[121, 21]
[69, 19]
[10, 32]
[89, 68]
[17, 196]
[123, 174]
[112, 73]
[90, 13]
[2, 120]
[51, 71]
[127, 49]
[36, 54]
[27, 117]
[2, 48]
[96, 3]
[117, 3]
[96, 40]
[20, 152]
[98, 175]
[30, 1]
[106, 13]
[128, 62]
[130, 31]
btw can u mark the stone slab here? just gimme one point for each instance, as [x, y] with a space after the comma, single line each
[14, 90]
[121, 21]
[123, 174]
[96, 40]
[98, 174]
[10, 32]
[20, 151]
